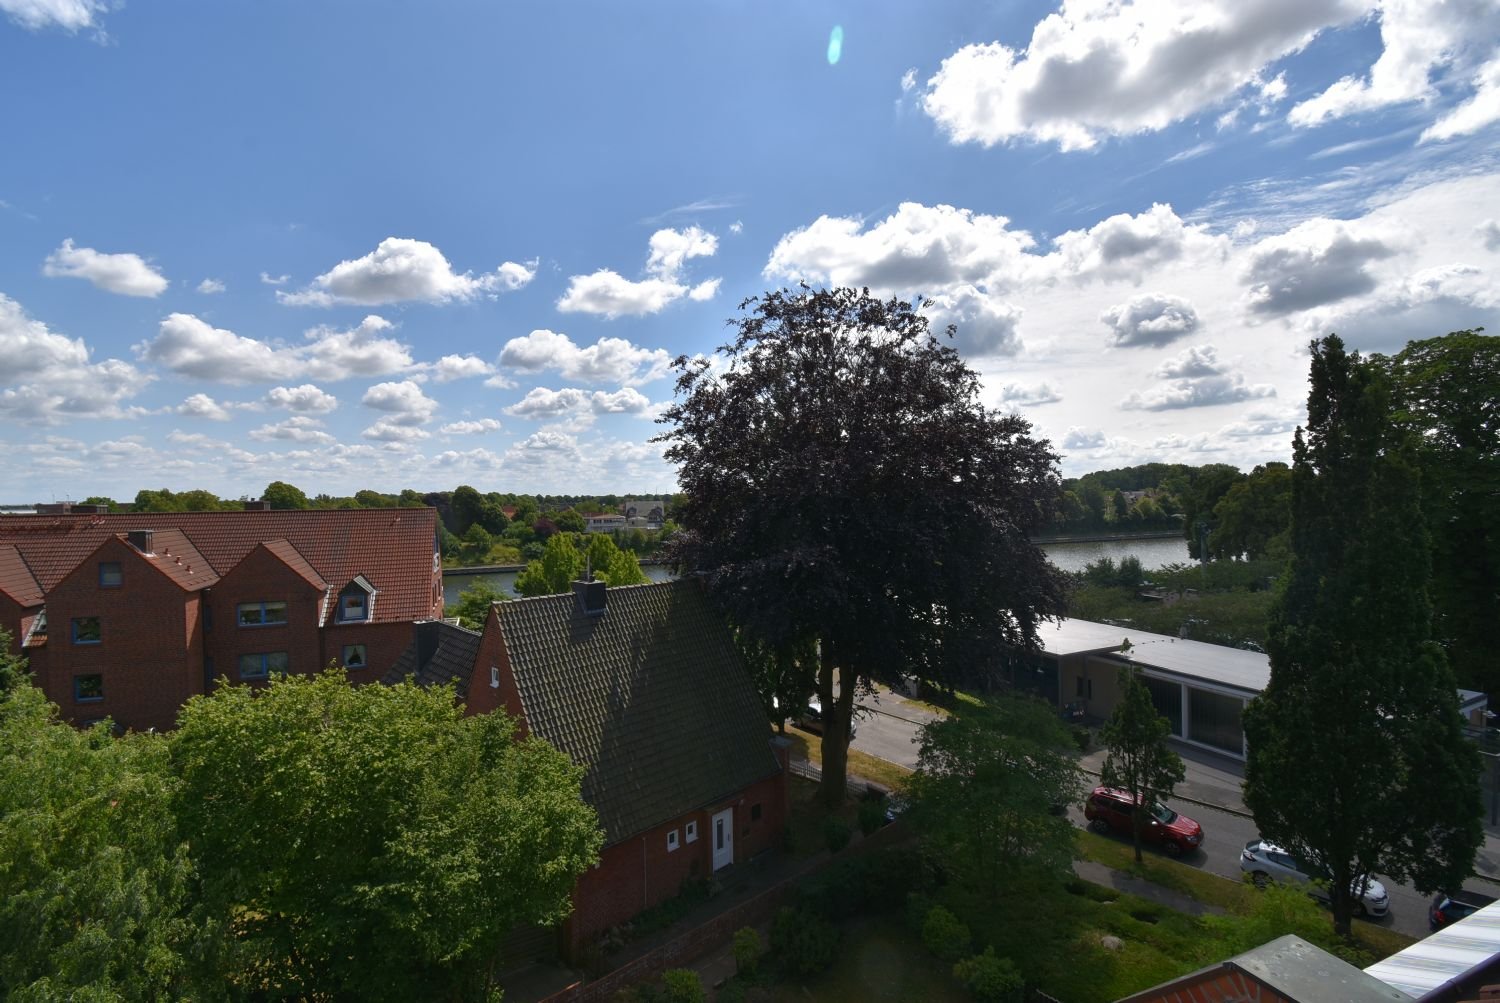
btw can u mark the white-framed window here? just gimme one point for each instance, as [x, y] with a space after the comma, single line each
[494, 677]
[671, 840]
[691, 831]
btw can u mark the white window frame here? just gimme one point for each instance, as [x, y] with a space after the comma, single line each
[691, 832]
[672, 843]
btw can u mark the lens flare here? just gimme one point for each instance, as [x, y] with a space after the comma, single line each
[835, 44]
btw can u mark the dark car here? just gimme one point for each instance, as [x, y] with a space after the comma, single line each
[1108, 809]
[1450, 907]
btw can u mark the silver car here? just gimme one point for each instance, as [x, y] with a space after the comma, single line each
[1266, 862]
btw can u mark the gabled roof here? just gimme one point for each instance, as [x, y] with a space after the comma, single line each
[450, 658]
[651, 698]
[392, 547]
[16, 579]
[175, 556]
[287, 554]
[1287, 968]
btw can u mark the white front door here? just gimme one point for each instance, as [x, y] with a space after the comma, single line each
[723, 837]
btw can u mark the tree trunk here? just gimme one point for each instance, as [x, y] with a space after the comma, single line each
[1341, 900]
[838, 714]
[1135, 829]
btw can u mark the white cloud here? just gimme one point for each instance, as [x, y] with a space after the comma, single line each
[1317, 262]
[125, 274]
[984, 325]
[609, 360]
[1123, 246]
[190, 346]
[307, 399]
[203, 406]
[626, 401]
[208, 287]
[458, 367]
[1195, 378]
[471, 427]
[1099, 68]
[400, 270]
[1481, 109]
[1078, 437]
[1261, 424]
[1422, 39]
[28, 348]
[1150, 319]
[48, 377]
[298, 428]
[393, 430]
[544, 448]
[1028, 394]
[70, 15]
[404, 401]
[472, 459]
[609, 294]
[1489, 233]
[274, 280]
[540, 402]
[737, 227]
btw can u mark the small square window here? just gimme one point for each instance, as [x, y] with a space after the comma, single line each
[354, 606]
[260, 614]
[86, 630]
[261, 665]
[354, 656]
[755, 813]
[88, 689]
[671, 840]
[110, 575]
[692, 832]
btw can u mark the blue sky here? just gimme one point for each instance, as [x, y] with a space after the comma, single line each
[379, 244]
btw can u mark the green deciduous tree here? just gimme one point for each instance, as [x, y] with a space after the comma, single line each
[1139, 760]
[568, 520]
[843, 482]
[94, 881]
[560, 565]
[1253, 517]
[474, 602]
[1447, 391]
[371, 842]
[1361, 711]
[986, 785]
[281, 495]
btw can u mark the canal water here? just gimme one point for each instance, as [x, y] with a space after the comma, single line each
[1153, 553]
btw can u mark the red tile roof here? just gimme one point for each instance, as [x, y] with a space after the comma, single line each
[175, 556]
[393, 548]
[288, 555]
[16, 579]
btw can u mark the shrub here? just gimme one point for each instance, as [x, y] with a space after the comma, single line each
[917, 907]
[836, 833]
[747, 949]
[1082, 737]
[991, 979]
[944, 934]
[856, 886]
[803, 941]
[682, 985]
[871, 814]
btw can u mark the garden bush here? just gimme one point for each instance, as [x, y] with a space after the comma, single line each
[945, 935]
[747, 949]
[682, 985]
[990, 979]
[803, 942]
[871, 814]
[836, 833]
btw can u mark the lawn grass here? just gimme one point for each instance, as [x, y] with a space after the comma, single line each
[806, 745]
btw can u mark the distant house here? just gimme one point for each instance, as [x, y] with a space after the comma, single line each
[127, 616]
[604, 522]
[643, 687]
[647, 514]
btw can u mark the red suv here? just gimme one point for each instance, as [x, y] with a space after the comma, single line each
[1108, 808]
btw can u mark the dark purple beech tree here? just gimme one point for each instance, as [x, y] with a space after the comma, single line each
[843, 483]
[1357, 757]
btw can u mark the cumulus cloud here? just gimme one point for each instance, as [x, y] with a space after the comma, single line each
[125, 274]
[1096, 69]
[608, 360]
[545, 448]
[393, 432]
[190, 346]
[71, 16]
[1317, 262]
[1195, 378]
[400, 270]
[1150, 319]
[1489, 233]
[274, 280]
[474, 459]
[307, 399]
[209, 287]
[48, 377]
[471, 427]
[1123, 246]
[984, 326]
[458, 367]
[1017, 394]
[203, 406]
[298, 428]
[404, 402]
[1261, 424]
[609, 294]
[1424, 42]
[1078, 437]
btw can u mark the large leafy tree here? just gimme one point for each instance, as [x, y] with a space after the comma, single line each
[1447, 390]
[371, 842]
[474, 602]
[94, 881]
[1361, 711]
[842, 482]
[1253, 518]
[1139, 760]
[987, 786]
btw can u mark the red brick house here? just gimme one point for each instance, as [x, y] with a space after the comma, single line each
[643, 687]
[126, 616]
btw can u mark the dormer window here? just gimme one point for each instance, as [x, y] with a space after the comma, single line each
[355, 601]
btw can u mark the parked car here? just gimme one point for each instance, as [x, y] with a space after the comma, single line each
[1110, 809]
[1268, 862]
[1450, 907]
